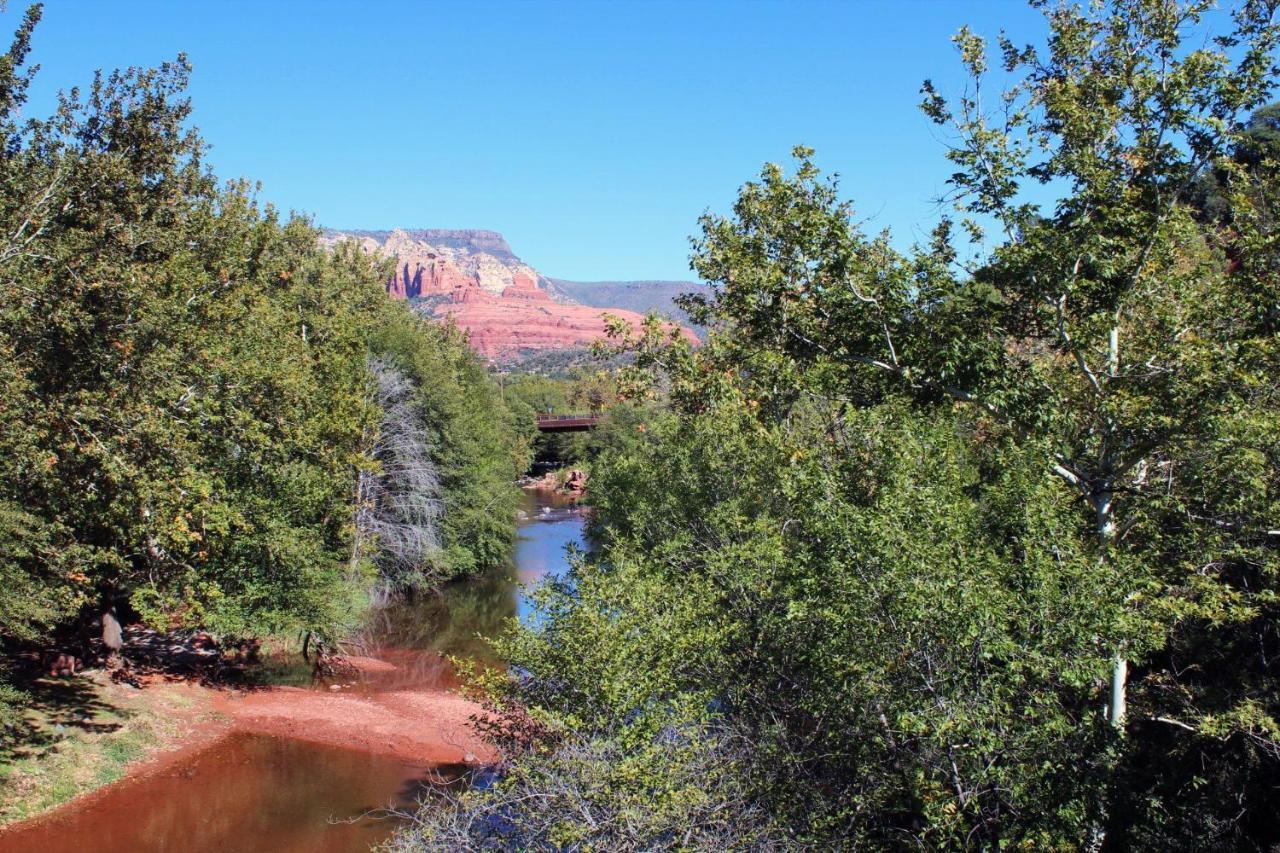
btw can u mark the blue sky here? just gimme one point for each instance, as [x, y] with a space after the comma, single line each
[591, 134]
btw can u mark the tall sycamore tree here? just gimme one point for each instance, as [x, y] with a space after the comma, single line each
[1103, 323]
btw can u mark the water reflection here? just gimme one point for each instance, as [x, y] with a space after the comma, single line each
[245, 793]
[419, 635]
[552, 523]
[257, 793]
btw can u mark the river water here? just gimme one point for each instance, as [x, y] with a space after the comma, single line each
[255, 793]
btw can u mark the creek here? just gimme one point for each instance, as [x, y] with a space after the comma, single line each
[252, 792]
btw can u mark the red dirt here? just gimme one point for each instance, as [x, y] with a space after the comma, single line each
[369, 665]
[420, 725]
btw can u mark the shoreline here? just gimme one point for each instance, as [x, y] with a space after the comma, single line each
[423, 725]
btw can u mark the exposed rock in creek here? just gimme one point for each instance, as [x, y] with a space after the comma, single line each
[574, 483]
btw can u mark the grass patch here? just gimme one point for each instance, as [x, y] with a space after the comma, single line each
[81, 733]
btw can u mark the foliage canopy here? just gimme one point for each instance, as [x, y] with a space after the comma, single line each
[973, 544]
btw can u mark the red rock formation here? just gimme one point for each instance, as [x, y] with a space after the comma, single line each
[435, 277]
[473, 278]
[524, 320]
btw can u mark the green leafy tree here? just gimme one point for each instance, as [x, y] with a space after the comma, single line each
[476, 441]
[941, 534]
[188, 399]
[1105, 325]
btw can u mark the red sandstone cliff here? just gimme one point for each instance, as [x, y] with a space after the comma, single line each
[474, 278]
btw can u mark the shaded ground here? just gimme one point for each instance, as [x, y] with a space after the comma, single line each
[84, 728]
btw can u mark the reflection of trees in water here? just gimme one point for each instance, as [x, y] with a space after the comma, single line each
[451, 621]
[454, 619]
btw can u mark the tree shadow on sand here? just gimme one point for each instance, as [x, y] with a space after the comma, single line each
[55, 706]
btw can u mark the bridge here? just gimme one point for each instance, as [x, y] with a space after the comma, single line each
[566, 423]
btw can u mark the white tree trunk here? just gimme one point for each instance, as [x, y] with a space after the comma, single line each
[1119, 674]
[1104, 508]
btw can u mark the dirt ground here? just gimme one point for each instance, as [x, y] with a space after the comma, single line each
[429, 726]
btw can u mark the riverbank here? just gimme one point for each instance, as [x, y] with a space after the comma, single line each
[558, 482]
[93, 737]
[87, 731]
[308, 764]
[422, 725]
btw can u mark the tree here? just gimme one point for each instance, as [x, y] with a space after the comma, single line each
[678, 792]
[188, 397]
[475, 444]
[1105, 324]
[398, 505]
[915, 517]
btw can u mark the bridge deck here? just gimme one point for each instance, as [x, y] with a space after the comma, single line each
[566, 423]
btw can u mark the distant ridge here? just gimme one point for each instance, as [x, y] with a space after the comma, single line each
[642, 297]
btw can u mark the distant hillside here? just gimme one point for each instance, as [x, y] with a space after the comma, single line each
[639, 296]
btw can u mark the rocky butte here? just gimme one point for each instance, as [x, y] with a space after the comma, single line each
[509, 309]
